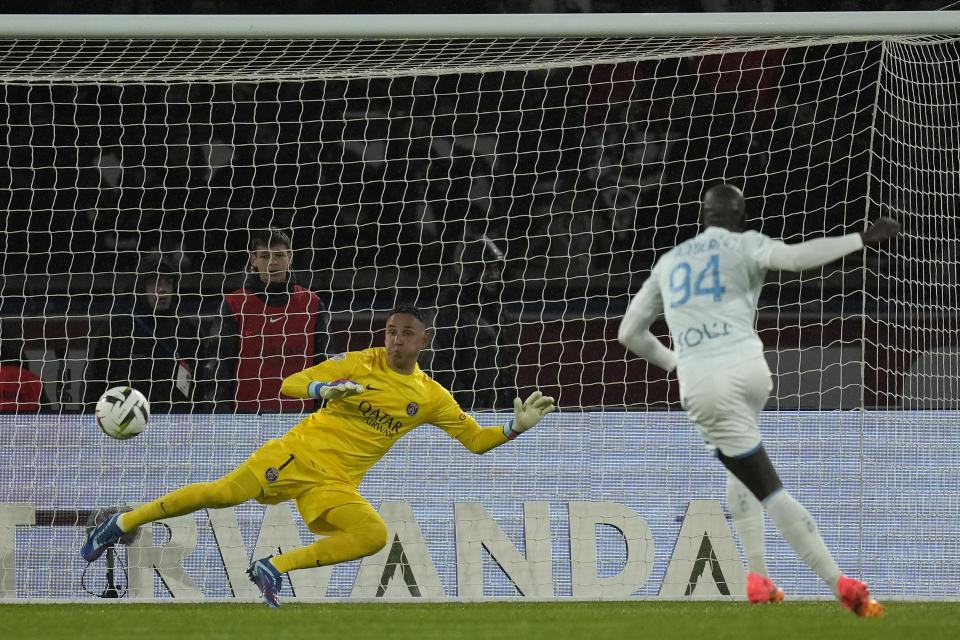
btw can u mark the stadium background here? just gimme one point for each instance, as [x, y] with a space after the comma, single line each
[586, 173]
[100, 175]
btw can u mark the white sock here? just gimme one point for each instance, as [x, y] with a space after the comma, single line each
[800, 531]
[747, 514]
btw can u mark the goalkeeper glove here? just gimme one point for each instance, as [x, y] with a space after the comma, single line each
[528, 413]
[336, 390]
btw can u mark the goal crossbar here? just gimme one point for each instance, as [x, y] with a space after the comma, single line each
[873, 23]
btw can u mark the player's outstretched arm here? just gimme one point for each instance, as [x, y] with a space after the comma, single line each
[335, 390]
[301, 385]
[527, 413]
[452, 419]
[821, 251]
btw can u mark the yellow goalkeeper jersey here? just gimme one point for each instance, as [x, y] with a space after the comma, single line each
[348, 436]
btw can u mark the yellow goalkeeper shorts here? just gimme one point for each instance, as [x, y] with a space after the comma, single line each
[284, 476]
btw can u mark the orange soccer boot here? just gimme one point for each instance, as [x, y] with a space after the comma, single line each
[855, 596]
[761, 590]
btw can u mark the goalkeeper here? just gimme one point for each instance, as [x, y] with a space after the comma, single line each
[374, 397]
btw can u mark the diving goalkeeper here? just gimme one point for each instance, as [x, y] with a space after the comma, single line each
[374, 397]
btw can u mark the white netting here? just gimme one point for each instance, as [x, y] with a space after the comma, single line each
[400, 168]
[257, 60]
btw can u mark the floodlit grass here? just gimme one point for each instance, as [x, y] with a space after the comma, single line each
[485, 621]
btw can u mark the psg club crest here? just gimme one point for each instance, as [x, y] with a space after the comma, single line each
[271, 474]
[412, 409]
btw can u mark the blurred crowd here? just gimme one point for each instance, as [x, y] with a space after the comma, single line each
[584, 173]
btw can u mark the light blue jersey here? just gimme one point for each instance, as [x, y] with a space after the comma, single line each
[708, 288]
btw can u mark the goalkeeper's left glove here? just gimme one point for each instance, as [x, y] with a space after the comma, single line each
[528, 413]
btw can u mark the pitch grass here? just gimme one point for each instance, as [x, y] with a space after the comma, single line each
[483, 621]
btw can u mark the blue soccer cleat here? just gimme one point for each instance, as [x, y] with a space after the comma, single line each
[263, 574]
[106, 534]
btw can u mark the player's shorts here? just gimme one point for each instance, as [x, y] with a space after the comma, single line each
[724, 401]
[285, 476]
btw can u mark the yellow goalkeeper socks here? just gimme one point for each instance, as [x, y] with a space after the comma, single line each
[234, 488]
[361, 532]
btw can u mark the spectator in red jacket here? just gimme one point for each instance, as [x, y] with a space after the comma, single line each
[271, 328]
[21, 390]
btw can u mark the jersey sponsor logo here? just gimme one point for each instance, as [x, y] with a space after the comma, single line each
[274, 319]
[412, 409]
[379, 419]
[372, 388]
[693, 336]
[338, 356]
[271, 474]
[463, 416]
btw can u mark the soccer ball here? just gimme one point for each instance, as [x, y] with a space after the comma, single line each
[122, 412]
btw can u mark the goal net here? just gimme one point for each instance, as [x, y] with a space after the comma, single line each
[518, 190]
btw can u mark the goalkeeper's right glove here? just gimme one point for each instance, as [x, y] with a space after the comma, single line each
[527, 413]
[336, 390]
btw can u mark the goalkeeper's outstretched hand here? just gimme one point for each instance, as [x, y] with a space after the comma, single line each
[527, 413]
[335, 390]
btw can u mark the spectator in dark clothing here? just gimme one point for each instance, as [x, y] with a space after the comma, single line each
[475, 351]
[269, 328]
[148, 347]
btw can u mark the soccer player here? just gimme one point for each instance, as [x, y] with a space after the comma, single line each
[374, 397]
[707, 288]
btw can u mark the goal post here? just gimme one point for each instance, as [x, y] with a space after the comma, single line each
[404, 154]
